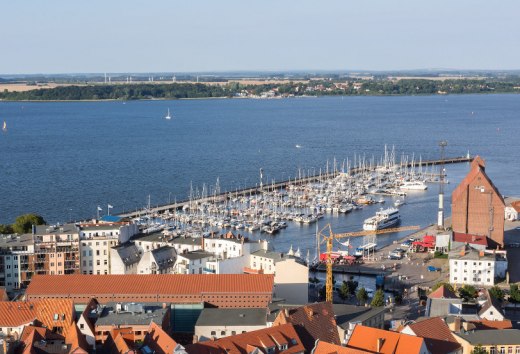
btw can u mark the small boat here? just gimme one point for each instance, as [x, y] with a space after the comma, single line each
[414, 186]
[398, 203]
[4, 126]
[298, 146]
[168, 116]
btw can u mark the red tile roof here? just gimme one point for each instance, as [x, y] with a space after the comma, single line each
[328, 348]
[32, 335]
[516, 205]
[159, 341]
[76, 340]
[244, 343]
[15, 314]
[436, 334]
[160, 284]
[471, 239]
[55, 313]
[367, 338]
[312, 322]
[442, 293]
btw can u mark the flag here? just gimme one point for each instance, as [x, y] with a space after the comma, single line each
[110, 206]
[99, 208]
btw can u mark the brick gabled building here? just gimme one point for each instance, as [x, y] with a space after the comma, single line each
[477, 206]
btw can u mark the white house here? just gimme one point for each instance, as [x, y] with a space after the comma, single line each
[512, 211]
[158, 261]
[469, 266]
[192, 262]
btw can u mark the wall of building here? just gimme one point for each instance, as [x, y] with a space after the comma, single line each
[477, 208]
[205, 333]
[291, 281]
[468, 272]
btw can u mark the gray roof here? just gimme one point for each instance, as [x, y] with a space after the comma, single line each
[153, 312]
[128, 252]
[101, 227]
[164, 252]
[232, 317]
[440, 307]
[16, 240]
[346, 314]
[196, 255]
[275, 256]
[470, 254]
[153, 237]
[492, 337]
[56, 229]
[186, 241]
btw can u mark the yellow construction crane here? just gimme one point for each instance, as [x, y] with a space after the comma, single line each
[328, 238]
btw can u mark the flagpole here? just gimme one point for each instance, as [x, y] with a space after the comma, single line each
[108, 209]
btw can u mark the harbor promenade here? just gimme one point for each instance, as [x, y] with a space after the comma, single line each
[279, 185]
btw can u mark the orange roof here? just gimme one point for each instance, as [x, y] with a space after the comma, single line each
[487, 324]
[312, 322]
[367, 338]
[15, 314]
[55, 313]
[158, 340]
[76, 340]
[31, 335]
[515, 205]
[442, 293]
[436, 334]
[157, 284]
[328, 348]
[243, 343]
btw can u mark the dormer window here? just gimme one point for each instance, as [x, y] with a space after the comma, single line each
[56, 317]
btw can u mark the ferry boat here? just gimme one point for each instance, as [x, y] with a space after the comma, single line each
[365, 249]
[414, 186]
[383, 219]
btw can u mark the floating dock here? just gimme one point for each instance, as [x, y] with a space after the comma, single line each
[279, 185]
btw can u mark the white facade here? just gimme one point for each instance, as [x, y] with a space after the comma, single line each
[192, 263]
[95, 254]
[158, 261]
[511, 214]
[477, 267]
[124, 259]
[291, 281]
[10, 272]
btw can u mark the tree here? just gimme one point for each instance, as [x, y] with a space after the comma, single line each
[478, 350]
[24, 223]
[514, 293]
[6, 229]
[468, 292]
[496, 293]
[344, 291]
[379, 299]
[352, 286]
[362, 296]
[441, 283]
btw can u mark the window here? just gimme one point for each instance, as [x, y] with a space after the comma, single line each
[233, 333]
[222, 333]
[517, 350]
[213, 333]
[81, 326]
[502, 350]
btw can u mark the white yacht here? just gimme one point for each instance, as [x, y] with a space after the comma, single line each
[383, 219]
[414, 185]
[168, 116]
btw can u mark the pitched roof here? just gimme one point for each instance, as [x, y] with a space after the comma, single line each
[488, 324]
[246, 342]
[516, 205]
[55, 313]
[159, 341]
[312, 322]
[492, 337]
[436, 334]
[476, 170]
[442, 293]
[161, 284]
[32, 335]
[367, 338]
[328, 348]
[15, 314]
[489, 303]
[76, 340]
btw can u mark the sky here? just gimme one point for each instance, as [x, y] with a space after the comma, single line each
[96, 36]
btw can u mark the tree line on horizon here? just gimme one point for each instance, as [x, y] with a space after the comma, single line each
[232, 89]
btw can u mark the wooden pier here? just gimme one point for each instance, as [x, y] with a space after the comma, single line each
[279, 185]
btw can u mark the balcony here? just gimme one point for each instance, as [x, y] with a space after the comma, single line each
[208, 270]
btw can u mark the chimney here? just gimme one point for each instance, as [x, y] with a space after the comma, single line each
[463, 251]
[481, 253]
[195, 339]
[202, 243]
[164, 305]
[286, 312]
[455, 325]
[380, 342]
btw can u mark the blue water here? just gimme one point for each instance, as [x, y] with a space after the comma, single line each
[61, 160]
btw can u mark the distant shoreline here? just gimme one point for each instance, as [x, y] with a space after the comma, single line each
[262, 99]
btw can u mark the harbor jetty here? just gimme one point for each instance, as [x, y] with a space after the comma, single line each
[282, 185]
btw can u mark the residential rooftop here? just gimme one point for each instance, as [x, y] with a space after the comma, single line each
[492, 337]
[352, 313]
[134, 314]
[232, 317]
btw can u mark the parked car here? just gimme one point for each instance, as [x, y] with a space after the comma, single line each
[433, 269]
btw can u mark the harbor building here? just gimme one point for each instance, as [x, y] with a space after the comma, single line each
[48, 250]
[469, 266]
[97, 239]
[477, 206]
[218, 290]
